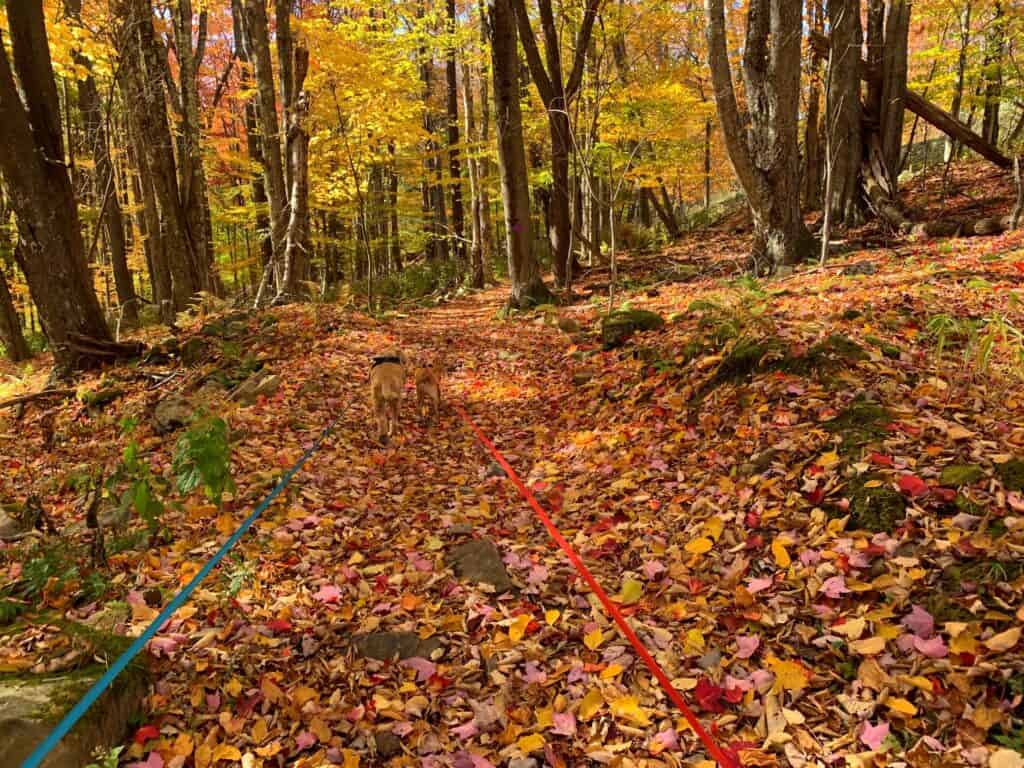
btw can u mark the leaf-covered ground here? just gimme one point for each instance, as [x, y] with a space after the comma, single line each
[806, 493]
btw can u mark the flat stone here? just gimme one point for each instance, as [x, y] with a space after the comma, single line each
[480, 561]
[860, 268]
[620, 325]
[568, 325]
[459, 529]
[260, 384]
[171, 413]
[31, 706]
[385, 646]
[12, 526]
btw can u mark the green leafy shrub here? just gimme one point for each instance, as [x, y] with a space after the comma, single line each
[202, 457]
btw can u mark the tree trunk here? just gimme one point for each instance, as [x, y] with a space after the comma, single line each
[843, 114]
[143, 65]
[257, 44]
[192, 177]
[50, 253]
[10, 326]
[993, 74]
[557, 93]
[395, 241]
[961, 69]
[894, 84]
[297, 248]
[707, 164]
[105, 187]
[764, 153]
[475, 210]
[527, 286]
[454, 166]
[483, 166]
[814, 159]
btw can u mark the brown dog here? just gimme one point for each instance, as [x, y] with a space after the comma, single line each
[428, 387]
[387, 386]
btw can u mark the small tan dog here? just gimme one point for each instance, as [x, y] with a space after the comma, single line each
[387, 387]
[428, 387]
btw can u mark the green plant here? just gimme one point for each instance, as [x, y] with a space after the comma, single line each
[141, 493]
[202, 457]
[239, 576]
[106, 757]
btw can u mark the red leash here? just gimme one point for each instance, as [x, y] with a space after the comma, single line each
[723, 758]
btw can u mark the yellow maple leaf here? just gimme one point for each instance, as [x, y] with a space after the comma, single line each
[1004, 641]
[902, 706]
[632, 591]
[531, 743]
[226, 752]
[517, 629]
[852, 629]
[593, 639]
[591, 703]
[694, 642]
[699, 546]
[829, 459]
[782, 558]
[628, 708]
[545, 717]
[713, 527]
[551, 616]
[869, 646]
[612, 670]
[789, 675]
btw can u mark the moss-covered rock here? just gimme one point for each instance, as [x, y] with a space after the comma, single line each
[194, 350]
[617, 327]
[876, 508]
[861, 422]
[1011, 474]
[30, 705]
[956, 475]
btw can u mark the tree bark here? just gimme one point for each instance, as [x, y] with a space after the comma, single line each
[843, 114]
[764, 153]
[527, 286]
[296, 255]
[143, 66]
[993, 74]
[454, 166]
[257, 44]
[814, 160]
[961, 69]
[894, 85]
[10, 326]
[475, 213]
[557, 94]
[50, 252]
[192, 176]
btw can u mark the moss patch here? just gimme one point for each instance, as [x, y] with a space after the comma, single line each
[878, 509]
[861, 422]
[617, 327]
[956, 475]
[1011, 474]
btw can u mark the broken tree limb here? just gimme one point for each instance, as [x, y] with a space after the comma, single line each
[111, 350]
[928, 111]
[36, 396]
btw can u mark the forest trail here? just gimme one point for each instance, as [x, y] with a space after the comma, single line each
[810, 515]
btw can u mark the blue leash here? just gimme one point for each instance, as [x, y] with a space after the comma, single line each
[35, 759]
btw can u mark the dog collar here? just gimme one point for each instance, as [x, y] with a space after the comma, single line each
[385, 359]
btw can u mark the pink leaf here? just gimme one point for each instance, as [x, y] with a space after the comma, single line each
[163, 646]
[748, 646]
[810, 557]
[534, 674]
[872, 736]
[759, 585]
[465, 731]
[305, 740]
[834, 587]
[538, 574]
[920, 622]
[933, 648]
[401, 728]
[425, 669]
[153, 760]
[653, 569]
[328, 593]
[564, 723]
[667, 739]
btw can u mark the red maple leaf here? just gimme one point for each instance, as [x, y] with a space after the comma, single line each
[709, 695]
[913, 485]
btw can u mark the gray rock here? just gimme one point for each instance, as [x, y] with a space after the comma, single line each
[459, 529]
[861, 268]
[388, 744]
[13, 526]
[385, 646]
[262, 383]
[30, 706]
[617, 327]
[568, 325]
[495, 469]
[171, 413]
[480, 561]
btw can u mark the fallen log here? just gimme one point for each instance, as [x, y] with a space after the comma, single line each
[42, 394]
[928, 111]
